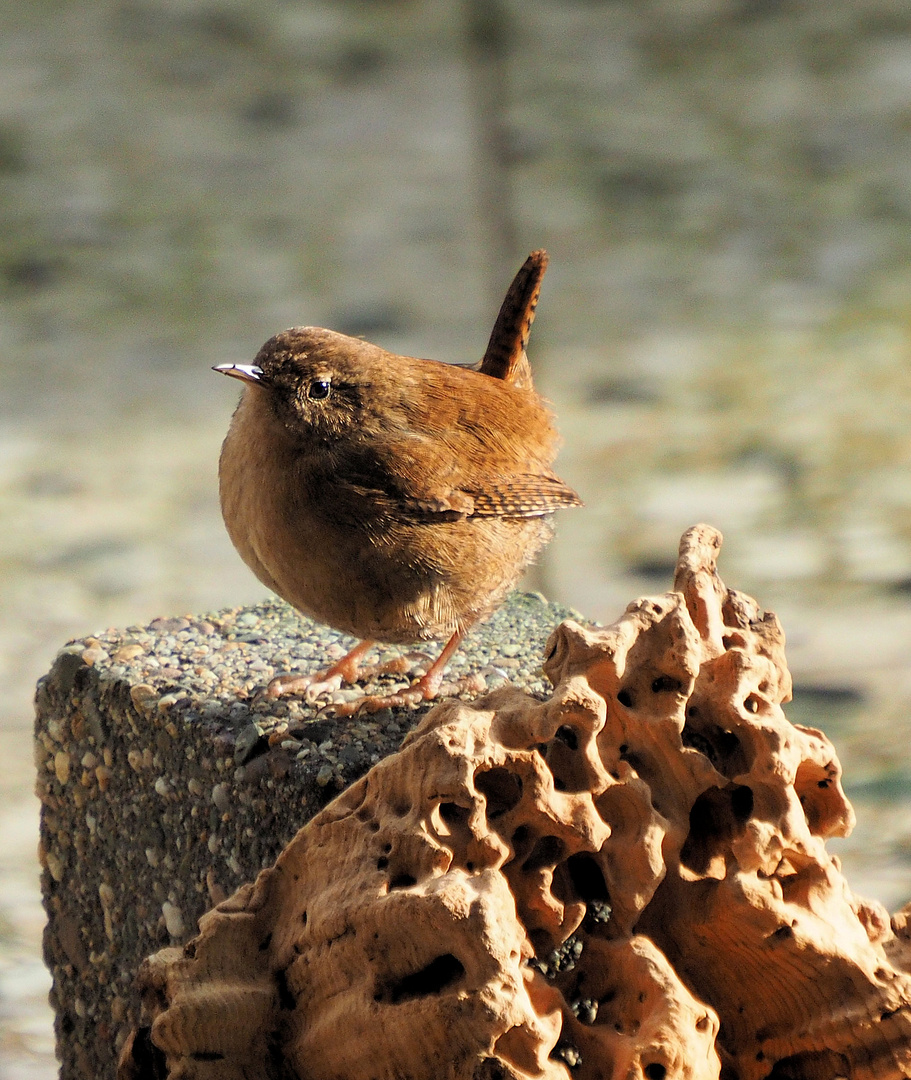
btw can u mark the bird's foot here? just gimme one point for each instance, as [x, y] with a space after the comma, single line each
[348, 671]
[427, 688]
[334, 679]
[311, 686]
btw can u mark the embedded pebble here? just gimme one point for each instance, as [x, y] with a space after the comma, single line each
[142, 694]
[173, 920]
[247, 741]
[168, 626]
[54, 865]
[62, 766]
[221, 796]
[128, 652]
[342, 697]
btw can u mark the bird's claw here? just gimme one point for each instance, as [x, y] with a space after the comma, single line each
[318, 687]
[373, 703]
[429, 686]
[282, 685]
[410, 698]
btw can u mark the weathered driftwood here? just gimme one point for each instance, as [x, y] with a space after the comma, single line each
[627, 880]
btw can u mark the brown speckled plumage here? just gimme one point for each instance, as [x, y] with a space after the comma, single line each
[394, 498]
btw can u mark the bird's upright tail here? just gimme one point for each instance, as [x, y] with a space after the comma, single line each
[505, 356]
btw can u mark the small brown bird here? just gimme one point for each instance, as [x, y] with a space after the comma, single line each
[395, 499]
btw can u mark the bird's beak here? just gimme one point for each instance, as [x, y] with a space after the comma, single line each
[248, 373]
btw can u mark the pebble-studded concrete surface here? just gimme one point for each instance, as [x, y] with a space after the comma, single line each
[167, 781]
[725, 191]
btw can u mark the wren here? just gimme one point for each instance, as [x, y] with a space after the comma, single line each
[393, 498]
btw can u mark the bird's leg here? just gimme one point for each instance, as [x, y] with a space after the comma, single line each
[429, 683]
[426, 688]
[347, 670]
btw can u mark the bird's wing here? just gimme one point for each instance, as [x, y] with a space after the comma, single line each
[523, 495]
[453, 447]
[409, 493]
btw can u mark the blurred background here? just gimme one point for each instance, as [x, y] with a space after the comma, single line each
[724, 187]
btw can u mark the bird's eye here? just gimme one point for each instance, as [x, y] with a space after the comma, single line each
[319, 389]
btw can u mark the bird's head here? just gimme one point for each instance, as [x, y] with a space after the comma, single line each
[317, 382]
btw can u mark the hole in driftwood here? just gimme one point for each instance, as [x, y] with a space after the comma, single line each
[501, 788]
[434, 978]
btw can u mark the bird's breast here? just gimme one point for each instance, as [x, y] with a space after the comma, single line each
[353, 562]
